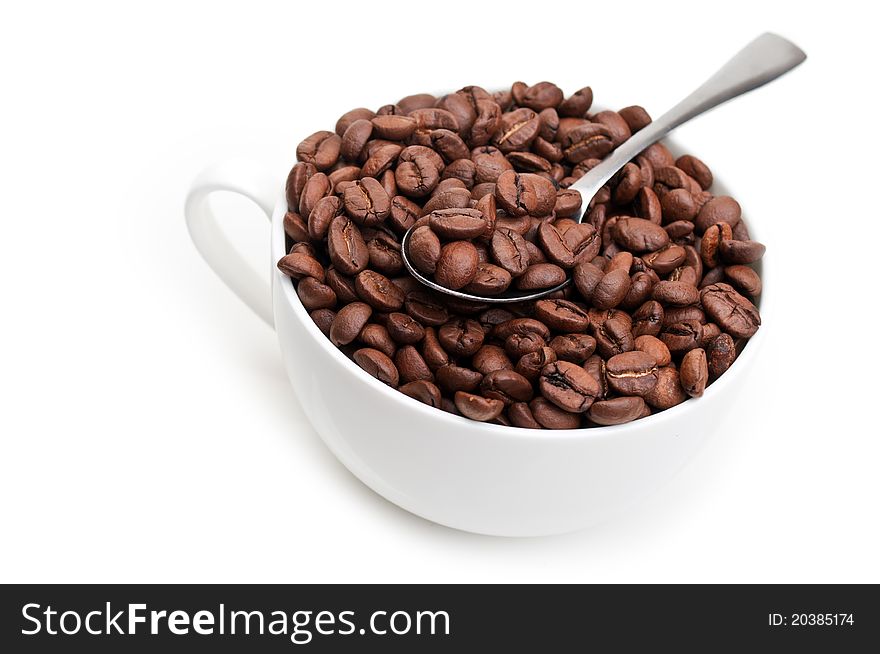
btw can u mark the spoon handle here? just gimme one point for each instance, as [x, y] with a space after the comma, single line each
[761, 61]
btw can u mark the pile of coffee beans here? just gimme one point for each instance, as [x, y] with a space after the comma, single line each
[663, 284]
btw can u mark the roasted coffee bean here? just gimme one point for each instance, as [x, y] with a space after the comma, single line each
[720, 354]
[323, 318]
[611, 289]
[455, 224]
[516, 130]
[377, 337]
[411, 365]
[506, 385]
[423, 391]
[295, 227]
[489, 280]
[635, 117]
[349, 117]
[710, 332]
[576, 348]
[639, 235]
[315, 295]
[490, 358]
[720, 209]
[613, 336]
[741, 252]
[568, 386]
[426, 308]
[696, 169]
[424, 249]
[550, 416]
[296, 181]
[521, 416]
[381, 155]
[521, 194]
[632, 373]
[578, 104]
[451, 378]
[730, 310]
[509, 251]
[520, 326]
[317, 186]
[694, 372]
[517, 345]
[384, 251]
[744, 279]
[711, 241]
[541, 96]
[655, 348]
[667, 392]
[321, 149]
[678, 204]
[712, 276]
[298, 265]
[452, 198]
[378, 365]
[682, 336]
[355, 138]
[540, 275]
[562, 315]
[680, 230]
[586, 141]
[617, 411]
[477, 407]
[648, 319]
[366, 202]
[403, 329]
[586, 278]
[378, 291]
[530, 365]
[667, 259]
[349, 322]
[457, 265]
[675, 293]
[461, 337]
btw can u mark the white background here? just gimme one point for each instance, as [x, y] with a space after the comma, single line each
[148, 430]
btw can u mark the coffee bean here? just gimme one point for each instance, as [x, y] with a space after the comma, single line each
[733, 313]
[477, 407]
[366, 202]
[490, 280]
[295, 227]
[411, 365]
[377, 337]
[506, 385]
[668, 391]
[403, 329]
[541, 96]
[720, 354]
[378, 365]
[301, 265]
[682, 336]
[349, 117]
[423, 391]
[709, 245]
[635, 117]
[523, 194]
[611, 289]
[490, 358]
[540, 275]
[654, 347]
[530, 364]
[349, 322]
[741, 252]
[457, 265]
[315, 295]
[648, 319]
[457, 223]
[568, 386]
[521, 416]
[666, 259]
[509, 251]
[586, 141]
[744, 279]
[632, 373]
[578, 104]
[616, 125]
[321, 149]
[675, 293]
[720, 209]
[516, 130]
[694, 372]
[639, 235]
[323, 318]
[617, 411]
[377, 290]
[426, 308]
[550, 416]
[518, 345]
[451, 378]
[696, 169]
[576, 348]
[461, 337]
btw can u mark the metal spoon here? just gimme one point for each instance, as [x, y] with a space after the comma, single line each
[763, 60]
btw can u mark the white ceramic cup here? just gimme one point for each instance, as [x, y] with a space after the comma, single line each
[473, 476]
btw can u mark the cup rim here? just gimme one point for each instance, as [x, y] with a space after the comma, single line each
[679, 411]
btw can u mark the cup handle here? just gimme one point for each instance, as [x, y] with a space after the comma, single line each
[253, 182]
